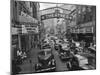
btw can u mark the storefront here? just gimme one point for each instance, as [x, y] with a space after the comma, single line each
[29, 26]
[14, 42]
[83, 32]
[28, 35]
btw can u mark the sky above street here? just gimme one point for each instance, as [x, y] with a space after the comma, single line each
[48, 5]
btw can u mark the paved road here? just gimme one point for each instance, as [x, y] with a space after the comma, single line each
[28, 66]
[60, 66]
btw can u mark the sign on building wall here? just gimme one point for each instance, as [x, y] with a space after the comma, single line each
[89, 30]
[56, 14]
[32, 29]
[82, 30]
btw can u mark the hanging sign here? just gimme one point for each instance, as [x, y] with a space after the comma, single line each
[89, 30]
[56, 14]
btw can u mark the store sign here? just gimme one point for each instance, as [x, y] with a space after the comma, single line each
[56, 15]
[89, 30]
[76, 31]
[29, 29]
[87, 24]
[82, 30]
[32, 29]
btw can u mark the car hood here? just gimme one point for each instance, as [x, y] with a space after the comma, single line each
[44, 57]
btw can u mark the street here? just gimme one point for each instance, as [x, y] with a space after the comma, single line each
[52, 38]
[60, 66]
[28, 65]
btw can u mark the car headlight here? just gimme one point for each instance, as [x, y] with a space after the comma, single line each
[49, 63]
[62, 53]
[53, 62]
[38, 64]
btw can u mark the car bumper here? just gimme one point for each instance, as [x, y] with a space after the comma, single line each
[48, 69]
[64, 58]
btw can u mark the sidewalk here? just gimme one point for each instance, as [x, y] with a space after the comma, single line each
[28, 65]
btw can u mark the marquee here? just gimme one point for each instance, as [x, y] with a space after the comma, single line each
[56, 14]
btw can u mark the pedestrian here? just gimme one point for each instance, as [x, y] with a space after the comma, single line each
[30, 61]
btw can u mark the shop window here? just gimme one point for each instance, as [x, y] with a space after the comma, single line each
[14, 39]
[15, 4]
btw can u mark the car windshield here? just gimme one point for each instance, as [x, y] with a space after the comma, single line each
[48, 52]
[44, 53]
[44, 41]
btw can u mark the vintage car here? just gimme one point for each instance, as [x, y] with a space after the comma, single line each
[83, 61]
[77, 62]
[73, 64]
[46, 61]
[64, 52]
[65, 55]
[57, 47]
[64, 47]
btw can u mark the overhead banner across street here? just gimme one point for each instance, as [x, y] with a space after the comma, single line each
[56, 15]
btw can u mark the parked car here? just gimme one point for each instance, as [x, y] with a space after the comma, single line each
[77, 62]
[46, 61]
[64, 47]
[65, 55]
[57, 46]
[82, 60]
[73, 64]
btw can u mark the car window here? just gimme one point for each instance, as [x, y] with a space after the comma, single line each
[45, 42]
[48, 52]
[42, 53]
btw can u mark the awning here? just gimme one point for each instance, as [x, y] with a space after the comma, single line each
[25, 20]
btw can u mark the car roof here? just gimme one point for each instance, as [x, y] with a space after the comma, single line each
[45, 50]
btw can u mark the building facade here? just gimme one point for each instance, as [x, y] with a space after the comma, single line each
[24, 24]
[55, 19]
[85, 22]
